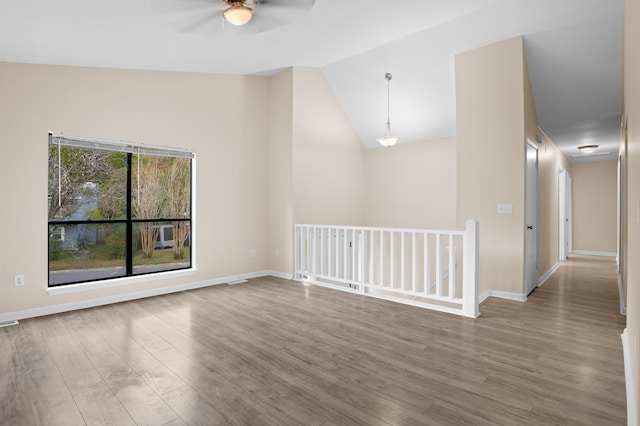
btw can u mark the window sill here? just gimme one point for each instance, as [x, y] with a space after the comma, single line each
[116, 282]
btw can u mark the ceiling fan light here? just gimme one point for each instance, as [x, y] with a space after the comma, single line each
[238, 14]
[588, 149]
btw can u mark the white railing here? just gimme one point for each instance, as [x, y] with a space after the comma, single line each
[428, 268]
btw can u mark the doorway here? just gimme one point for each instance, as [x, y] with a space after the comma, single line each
[564, 215]
[531, 218]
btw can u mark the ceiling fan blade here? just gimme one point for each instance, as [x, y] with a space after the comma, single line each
[200, 17]
[277, 13]
[289, 4]
[208, 24]
[162, 7]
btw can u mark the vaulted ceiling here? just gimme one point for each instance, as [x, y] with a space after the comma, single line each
[573, 48]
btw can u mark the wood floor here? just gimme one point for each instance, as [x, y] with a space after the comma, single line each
[275, 352]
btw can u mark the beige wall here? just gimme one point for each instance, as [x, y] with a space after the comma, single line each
[316, 161]
[490, 158]
[412, 185]
[631, 90]
[280, 228]
[595, 206]
[221, 117]
[247, 132]
[328, 158]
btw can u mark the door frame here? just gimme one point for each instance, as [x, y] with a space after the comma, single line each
[531, 257]
[565, 246]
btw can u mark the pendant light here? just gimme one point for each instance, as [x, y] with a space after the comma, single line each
[388, 140]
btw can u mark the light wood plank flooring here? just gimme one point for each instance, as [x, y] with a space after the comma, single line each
[275, 352]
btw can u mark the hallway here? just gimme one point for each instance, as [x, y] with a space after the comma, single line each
[568, 332]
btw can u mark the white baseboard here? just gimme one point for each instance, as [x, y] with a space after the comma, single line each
[519, 297]
[628, 378]
[65, 307]
[392, 298]
[594, 253]
[623, 308]
[277, 274]
[548, 274]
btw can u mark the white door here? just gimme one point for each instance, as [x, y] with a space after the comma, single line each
[619, 217]
[568, 222]
[564, 201]
[531, 218]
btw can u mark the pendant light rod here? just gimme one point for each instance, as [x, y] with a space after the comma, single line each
[388, 140]
[388, 76]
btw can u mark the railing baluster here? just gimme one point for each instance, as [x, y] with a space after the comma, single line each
[403, 263]
[452, 266]
[353, 249]
[322, 250]
[305, 258]
[372, 259]
[345, 263]
[329, 251]
[337, 270]
[382, 277]
[438, 265]
[312, 250]
[414, 262]
[362, 253]
[392, 260]
[427, 264]
[296, 254]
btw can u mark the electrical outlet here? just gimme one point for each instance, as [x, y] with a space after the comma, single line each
[18, 280]
[277, 252]
[252, 253]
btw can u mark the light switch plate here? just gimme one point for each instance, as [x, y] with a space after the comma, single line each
[505, 208]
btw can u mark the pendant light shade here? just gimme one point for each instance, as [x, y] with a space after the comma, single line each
[237, 13]
[388, 140]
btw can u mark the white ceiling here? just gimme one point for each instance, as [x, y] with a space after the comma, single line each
[573, 47]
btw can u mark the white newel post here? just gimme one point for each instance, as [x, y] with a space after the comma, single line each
[470, 268]
[296, 253]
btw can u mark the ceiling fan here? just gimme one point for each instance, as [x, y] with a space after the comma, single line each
[229, 17]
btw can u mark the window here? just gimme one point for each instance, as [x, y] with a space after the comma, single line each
[116, 209]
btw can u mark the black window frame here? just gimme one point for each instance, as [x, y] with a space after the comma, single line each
[129, 221]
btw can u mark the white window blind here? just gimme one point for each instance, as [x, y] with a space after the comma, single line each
[61, 139]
